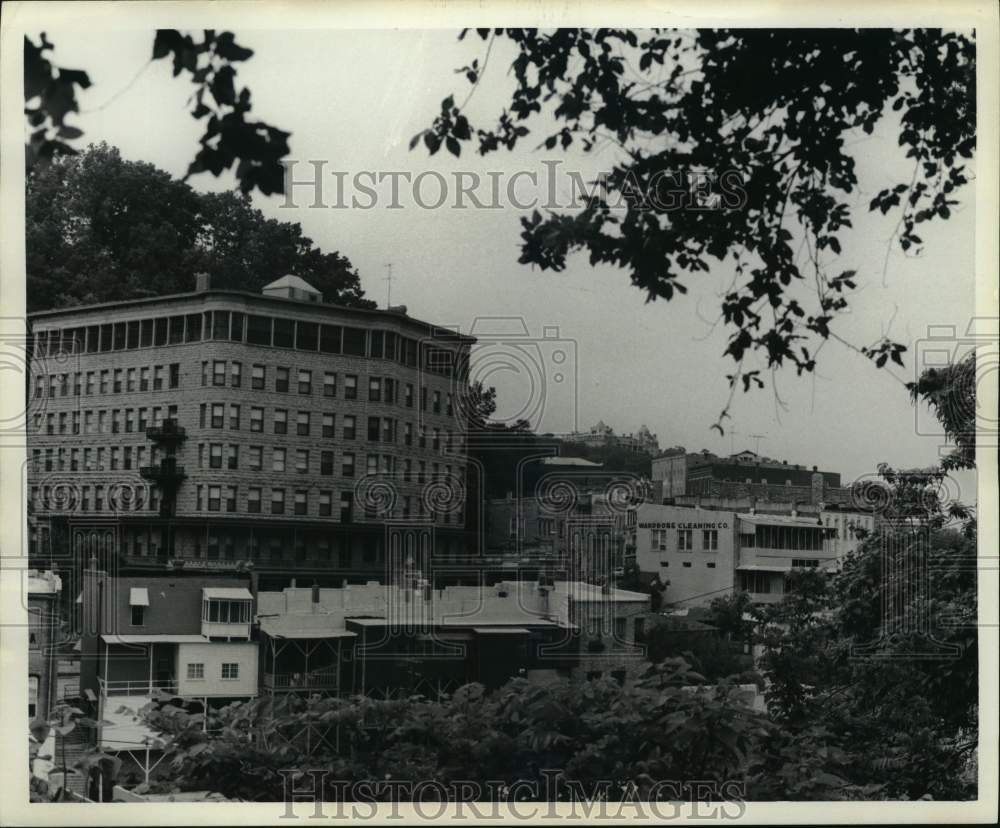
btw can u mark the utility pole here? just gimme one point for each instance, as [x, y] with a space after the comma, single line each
[732, 449]
[388, 286]
[758, 438]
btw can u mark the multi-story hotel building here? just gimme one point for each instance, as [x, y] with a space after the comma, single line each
[233, 431]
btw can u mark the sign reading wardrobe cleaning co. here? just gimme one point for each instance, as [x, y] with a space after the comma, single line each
[722, 524]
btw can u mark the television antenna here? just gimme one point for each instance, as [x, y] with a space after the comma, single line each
[758, 438]
[388, 285]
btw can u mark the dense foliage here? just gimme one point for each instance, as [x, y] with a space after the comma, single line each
[735, 146]
[101, 228]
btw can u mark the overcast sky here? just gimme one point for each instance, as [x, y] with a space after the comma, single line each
[354, 100]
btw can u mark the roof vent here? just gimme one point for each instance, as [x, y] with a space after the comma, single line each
[292, 287]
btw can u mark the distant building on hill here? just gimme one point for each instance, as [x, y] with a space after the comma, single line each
[602, 435]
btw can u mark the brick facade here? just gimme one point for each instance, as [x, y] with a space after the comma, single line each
[88, 449]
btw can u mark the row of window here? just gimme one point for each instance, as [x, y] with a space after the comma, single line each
[687, 564]
[225, 498]
[685, 539]
[235, 326]
[229, 671]
[303, 502]
[103, 420]
[108, 381]
[222, 373]
[99, 458]
[785, 537]
[379, 429]
[220, 455]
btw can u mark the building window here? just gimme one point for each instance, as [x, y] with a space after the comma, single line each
[218, 372]
[710, 539]
[329, 384]
[328, 425]
[326, 463]
[256, 419]
[214, 498]
[234, 417]
[350, 387]
[175, 374]
[437, 402]
[305, 382]
[258, 377]
[375, 389]
[301, 502]
[236, 374]
[278, 460]
[805, 563]
[218, 415]
[302, 461]
[325, 504]
[373, 429]
[350, 429]
[253, 501]
[281, 380]
[280, 421]
[302, 424]
[230, 671]
[408, 395]
[138, 616]
[277, 501]
[195, 671]
[685, 540]
[256, 458]
[234, 456]
[230, 498]
[347, 465]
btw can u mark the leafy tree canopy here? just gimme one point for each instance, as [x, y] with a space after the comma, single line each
[766, 114]
[101, 228]
[210, 61]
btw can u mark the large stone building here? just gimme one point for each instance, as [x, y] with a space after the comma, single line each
[602, 435]
[222, 430]
[679, 473]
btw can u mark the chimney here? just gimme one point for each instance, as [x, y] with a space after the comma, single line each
[202, 282]
[795, 509]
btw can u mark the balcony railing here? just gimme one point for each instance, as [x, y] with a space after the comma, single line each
[168, 432]
[136, 688]
[166, 472]
[318, 679]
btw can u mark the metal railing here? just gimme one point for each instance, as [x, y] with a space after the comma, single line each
[301, 681]
[136, 688]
